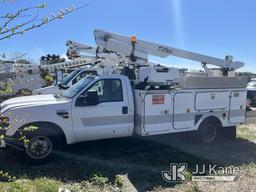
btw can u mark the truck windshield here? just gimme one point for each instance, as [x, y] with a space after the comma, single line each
[72, 91]
[70, 77]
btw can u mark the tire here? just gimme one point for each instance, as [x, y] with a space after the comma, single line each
[43, 143]
[209, 131]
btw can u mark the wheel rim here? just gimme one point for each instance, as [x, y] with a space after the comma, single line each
[209, 133]
[39, 147]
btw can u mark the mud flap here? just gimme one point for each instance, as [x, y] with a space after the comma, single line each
[229, 132]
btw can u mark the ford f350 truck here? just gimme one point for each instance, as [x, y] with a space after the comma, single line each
[141, 101]
[104, 107]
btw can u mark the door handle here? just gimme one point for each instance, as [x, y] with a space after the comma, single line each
[65, 115]
[125, 110]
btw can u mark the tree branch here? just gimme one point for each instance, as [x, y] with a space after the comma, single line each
[31, 24]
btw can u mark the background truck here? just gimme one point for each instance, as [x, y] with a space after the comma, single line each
[67, 82]
[101, 67]
[23, 79]
[92, 65]
[141, 100]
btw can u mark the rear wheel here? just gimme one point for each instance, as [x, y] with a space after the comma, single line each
[209, 131]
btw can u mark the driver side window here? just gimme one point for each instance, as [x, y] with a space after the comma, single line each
[106, 90]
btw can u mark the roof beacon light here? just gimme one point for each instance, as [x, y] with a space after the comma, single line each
[133, 39]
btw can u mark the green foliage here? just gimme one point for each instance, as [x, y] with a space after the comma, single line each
[48, 78]
[6, 88]
[51, 59]
[119, 181]
[194, 188]
[23, 138]
[4, 176]
[99, 180]
[41, 184]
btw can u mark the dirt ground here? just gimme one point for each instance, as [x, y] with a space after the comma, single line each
[131, 164]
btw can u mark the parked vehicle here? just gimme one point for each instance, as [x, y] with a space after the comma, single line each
[67, 82]
[251, 85]
[251, 95]
[142, 100]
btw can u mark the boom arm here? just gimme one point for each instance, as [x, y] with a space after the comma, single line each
[141, 49]
[74, 49]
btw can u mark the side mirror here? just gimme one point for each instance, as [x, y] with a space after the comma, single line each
[62, 86]
[91, 99]
[59, 76]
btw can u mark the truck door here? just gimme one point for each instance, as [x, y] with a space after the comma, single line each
[108, 117]
[183, 117]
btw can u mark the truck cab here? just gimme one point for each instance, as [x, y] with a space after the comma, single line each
[97, 107]
[67, 82]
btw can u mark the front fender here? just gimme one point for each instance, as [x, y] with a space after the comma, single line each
[20, 117]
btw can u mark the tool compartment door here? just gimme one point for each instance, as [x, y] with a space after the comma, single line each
[157, 113]
[237, 107]
[212, 100]
[183, 117]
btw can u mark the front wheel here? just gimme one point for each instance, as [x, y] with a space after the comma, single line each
[39, 148]
[42, 147]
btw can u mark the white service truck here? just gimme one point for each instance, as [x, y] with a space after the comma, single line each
[67, 82]
[158, 101]
[98, 64]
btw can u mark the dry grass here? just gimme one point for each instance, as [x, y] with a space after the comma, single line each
[133, 165]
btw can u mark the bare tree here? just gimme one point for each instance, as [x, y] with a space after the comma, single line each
[26, 19]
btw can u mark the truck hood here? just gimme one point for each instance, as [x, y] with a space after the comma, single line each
[47, 90]
[28, 101]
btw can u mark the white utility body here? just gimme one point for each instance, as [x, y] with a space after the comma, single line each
[136, 101]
